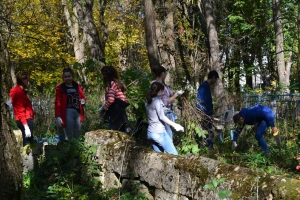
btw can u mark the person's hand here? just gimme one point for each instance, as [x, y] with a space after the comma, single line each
[59, 121]
[180, 92]
[82, 101]
[27, 131]
[178, 127]
[102, 108]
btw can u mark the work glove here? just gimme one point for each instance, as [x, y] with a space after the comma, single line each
[276, 136]
[82, 101]
[102, 108]
[234, 144]
[27, 131]
[178, 127]
[59, 121]
[180, 92]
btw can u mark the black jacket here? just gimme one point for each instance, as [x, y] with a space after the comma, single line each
[116, 114]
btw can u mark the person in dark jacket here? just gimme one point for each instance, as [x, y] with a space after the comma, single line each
[259, 115]
[205, 105]
[115, 100]
[69, 102]
[22, 107]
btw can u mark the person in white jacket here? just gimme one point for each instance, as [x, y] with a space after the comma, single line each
[161, 141]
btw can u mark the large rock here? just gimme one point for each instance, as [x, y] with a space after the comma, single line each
[173, 177]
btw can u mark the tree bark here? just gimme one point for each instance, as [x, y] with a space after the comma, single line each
[10, 158]
[214, 50]
[279, 42]
[85, 14]
[150, 29]
[298, 55]
[165, 37]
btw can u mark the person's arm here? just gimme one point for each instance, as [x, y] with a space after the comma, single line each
[237, 132]
[161, 115]
[270, 119]
[110, 96]
[19, 106]
[81, 95]
[58, 101]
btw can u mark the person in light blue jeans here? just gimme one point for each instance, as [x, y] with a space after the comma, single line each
[161, 141]
[167, 96]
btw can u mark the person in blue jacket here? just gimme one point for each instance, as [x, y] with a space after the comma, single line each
[259, 115]
[205, 105]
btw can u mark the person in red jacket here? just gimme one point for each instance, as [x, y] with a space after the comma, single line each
[69, 102]
[22, 107]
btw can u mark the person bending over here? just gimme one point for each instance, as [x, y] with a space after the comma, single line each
[259, 115]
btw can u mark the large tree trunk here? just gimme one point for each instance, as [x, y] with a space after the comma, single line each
[214, 60]
[78, 39]
[279, 42]
[10, 158]
[151, 33]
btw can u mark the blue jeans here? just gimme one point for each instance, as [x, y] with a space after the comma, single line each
[172, 116]
[161, 142]
[259, 136]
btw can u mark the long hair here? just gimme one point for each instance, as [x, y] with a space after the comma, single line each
[158, 70]
[110, 74]
[154, 89]
[24, 76]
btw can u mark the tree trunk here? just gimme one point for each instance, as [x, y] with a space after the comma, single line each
[85, 14]
[287, 73]
[214, 60]
[279, 42]
[10, 158]
[165, 37]
[150, 33]
[298, 55]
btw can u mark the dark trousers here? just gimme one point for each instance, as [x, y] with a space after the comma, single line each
[21, 127]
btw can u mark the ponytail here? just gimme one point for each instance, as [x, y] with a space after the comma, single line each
[154, 89]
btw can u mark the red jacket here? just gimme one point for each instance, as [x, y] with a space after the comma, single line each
[61, 102]
[21, 104]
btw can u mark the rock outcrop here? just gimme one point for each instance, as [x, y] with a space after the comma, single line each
[162, 176]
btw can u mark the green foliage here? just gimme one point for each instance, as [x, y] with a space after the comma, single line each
[137, 82]
[60, 172]
[215, 186]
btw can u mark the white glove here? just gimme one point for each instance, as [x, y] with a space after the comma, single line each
[234, 144]
[27, 131]
[178, 127]
[82, 101]
[180, 92]
[102, 108]
[58, 121]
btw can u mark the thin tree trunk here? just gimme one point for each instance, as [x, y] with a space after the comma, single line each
[279, 41]
[151, 42]
[287, 72]
[214, 60]
[298, 55]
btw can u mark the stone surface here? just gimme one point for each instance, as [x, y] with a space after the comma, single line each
[172, 177]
